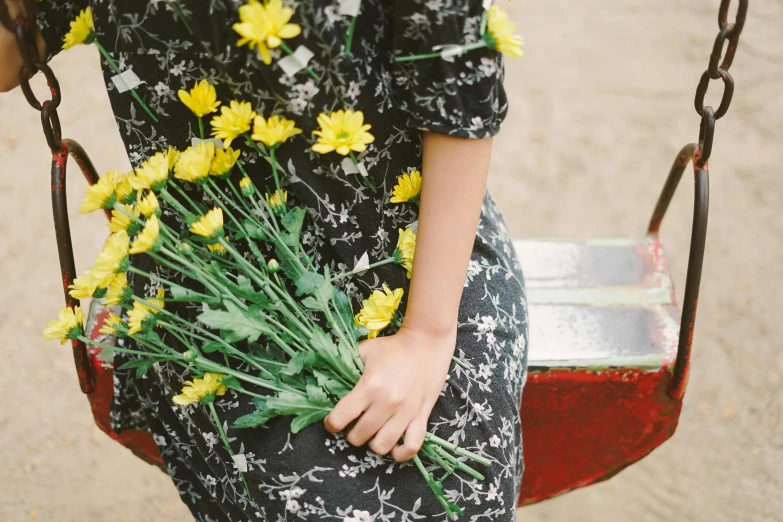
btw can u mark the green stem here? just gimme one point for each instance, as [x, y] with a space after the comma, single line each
[367, 179]
[133, 92]
[373, 265]
[465, 48]
[126, 350]
[228, 446]
[434, 439]
[214, 367]
[349, 36]
[201, 127]
[307, 68]
[175, 5]
[273, 161]
[428, 477]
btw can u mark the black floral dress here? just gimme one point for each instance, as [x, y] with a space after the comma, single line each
[316, 475]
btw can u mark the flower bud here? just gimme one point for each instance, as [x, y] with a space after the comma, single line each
[273, 266]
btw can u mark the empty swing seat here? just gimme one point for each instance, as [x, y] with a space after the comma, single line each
[604, 332]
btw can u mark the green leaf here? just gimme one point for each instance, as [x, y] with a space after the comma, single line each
[308, 282]
[288, 262]
[235, 323]
[180, 292]
[325, 291]
[331, 385]
[254, 420]
[142, 366]
[304, 420]
[295, 365]
[293, 220]
[255, 231]
[342, 303]
[214, 346]
[229, 381]
[312, 303]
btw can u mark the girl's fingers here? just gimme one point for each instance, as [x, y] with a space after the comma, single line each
[368, 425]
[414, 438]
[390, 434]
[346, 411]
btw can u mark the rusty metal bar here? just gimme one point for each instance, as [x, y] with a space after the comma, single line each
[689, 153]
[64, 245]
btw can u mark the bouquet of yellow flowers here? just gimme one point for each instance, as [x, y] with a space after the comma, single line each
[271, 327]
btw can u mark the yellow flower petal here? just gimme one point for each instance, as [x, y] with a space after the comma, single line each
[342, 131]
[407, 188]
[233, 121]
[202, 389]
[201, 100]
[82, 30]
[378, 310]
[68, 326]
[500, 33]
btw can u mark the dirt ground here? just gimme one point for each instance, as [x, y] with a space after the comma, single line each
[600, 104]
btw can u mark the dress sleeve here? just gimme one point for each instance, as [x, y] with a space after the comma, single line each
[54, 20]
[463, 97]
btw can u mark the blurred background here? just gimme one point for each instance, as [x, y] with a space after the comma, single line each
[600, 104]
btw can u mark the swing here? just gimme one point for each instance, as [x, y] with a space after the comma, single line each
[609, 349]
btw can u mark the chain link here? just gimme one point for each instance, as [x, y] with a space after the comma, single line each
[24, 29]
[717, 68]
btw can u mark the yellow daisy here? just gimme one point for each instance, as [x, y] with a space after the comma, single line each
[217, 248]
[148, 204]
[149, 238]
[82, 30]
[114, 325]
[233, 121]
[500, 33]
[201, 390]
[142, 312]
[246, 186]
[118, 291]
[124, 189]
[102, 194]
[84, 286]
[193, 164]
[210, 225]
[264, 26]
[114, 257]
[342, 132]
[273, 131]
[408, 188]
[277, 201]
[378, 310]
[154, 172]
[223, 162]
[68, 326]
[122, 221]
[201, 100]
[406, 245]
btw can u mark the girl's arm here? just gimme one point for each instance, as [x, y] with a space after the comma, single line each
[405, 372]
[10, 60]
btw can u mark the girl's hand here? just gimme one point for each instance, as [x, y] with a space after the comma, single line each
[403, 376]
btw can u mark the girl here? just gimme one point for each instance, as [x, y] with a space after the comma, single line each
[432, 121]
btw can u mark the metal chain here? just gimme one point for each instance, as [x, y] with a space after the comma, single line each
[727, 32]
[24, 28]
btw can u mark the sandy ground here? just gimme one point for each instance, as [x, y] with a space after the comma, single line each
[599, 106]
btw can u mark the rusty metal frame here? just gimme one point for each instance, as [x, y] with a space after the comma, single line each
[689, 153]
[64, 243]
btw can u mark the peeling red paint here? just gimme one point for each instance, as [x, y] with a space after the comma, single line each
[140, 443]
[582, 427]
